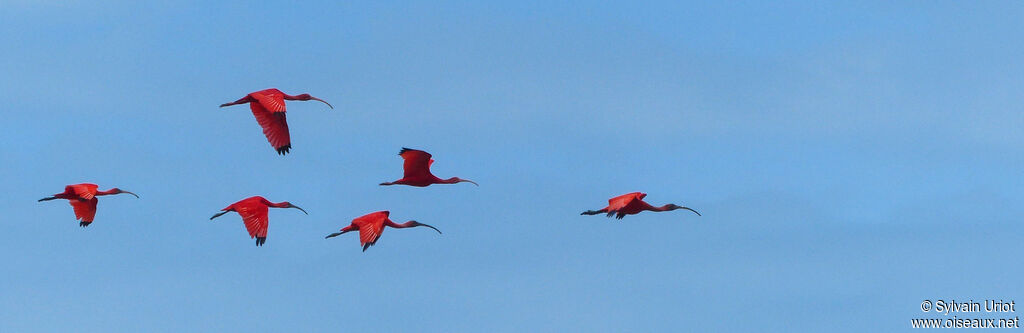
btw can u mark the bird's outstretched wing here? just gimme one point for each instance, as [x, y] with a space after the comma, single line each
[255, 218]
[370, 227]
[619, 202]
[275, 127]
[84, 191]
[417, 163]
[85, 210]
[272, 100]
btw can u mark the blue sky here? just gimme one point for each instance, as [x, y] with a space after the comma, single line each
[850, 161]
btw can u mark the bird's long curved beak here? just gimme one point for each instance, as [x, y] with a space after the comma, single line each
[470, 181]
[690, 209]
[325, 102]
[136, 195]
[218, 215]
[47, 199]
[299, 208]
[431, 227]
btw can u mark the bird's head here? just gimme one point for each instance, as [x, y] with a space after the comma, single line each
[307, 97]
[290, 205]
[119, 191]
[417, 224]
[454, 180]
[670, 207]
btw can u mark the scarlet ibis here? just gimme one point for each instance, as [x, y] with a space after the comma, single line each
[83, 199]
[632, 203]
[254, 213]
[268, 107]
[371, 226]
[417, 170]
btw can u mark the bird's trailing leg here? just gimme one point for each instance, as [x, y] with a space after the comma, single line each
[336, 234]
[218, 215]
[243, 100]
[343, 230]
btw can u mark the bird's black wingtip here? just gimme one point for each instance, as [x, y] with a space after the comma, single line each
[404, 149]
[284, 149]
[260, 241]
[84, 224]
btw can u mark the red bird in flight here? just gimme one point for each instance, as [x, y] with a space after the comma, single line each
[83, 199]
[254, 213]
[632, 203]
[268, 107]
[417, 170]
[371, 226]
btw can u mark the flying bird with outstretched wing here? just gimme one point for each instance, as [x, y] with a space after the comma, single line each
[417, 170]
[632, 203]
[83, 200]
[269, 108]
[371, 226]
[254, 212]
